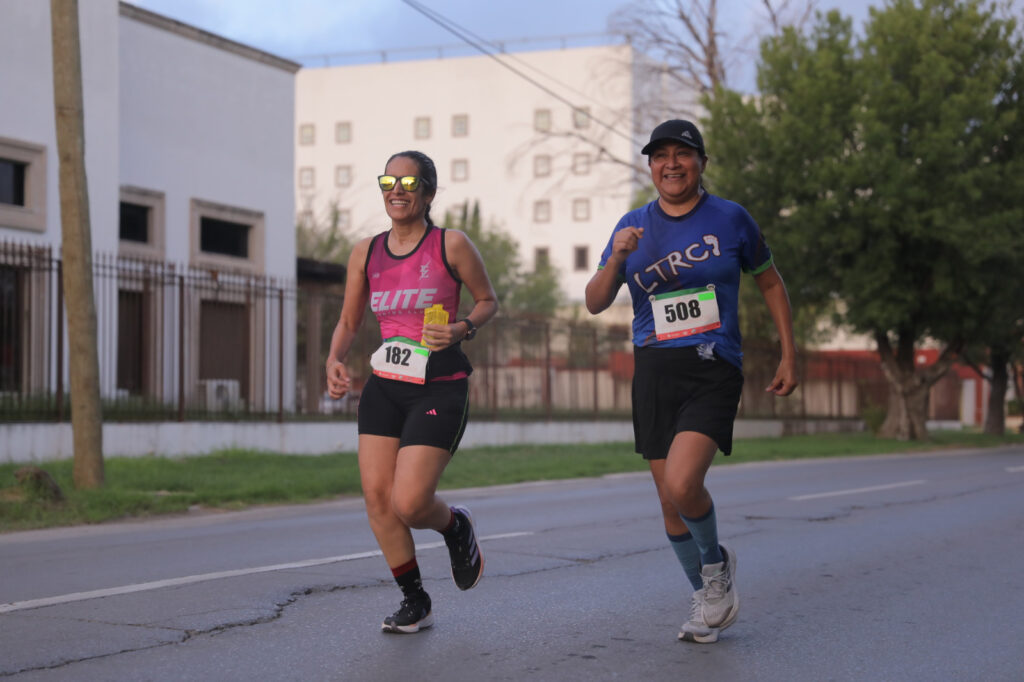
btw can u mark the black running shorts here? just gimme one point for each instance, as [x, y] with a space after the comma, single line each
[676, 390]
[431, 414]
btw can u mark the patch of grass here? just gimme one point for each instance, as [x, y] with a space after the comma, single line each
[235, 479]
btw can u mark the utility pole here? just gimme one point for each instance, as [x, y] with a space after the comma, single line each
[76, 243]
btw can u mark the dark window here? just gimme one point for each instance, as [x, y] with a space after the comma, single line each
[224, 236]
[541, 258]
[129, 339]
[134, 222]
[12, 182]
[580, 259]
[10, 329]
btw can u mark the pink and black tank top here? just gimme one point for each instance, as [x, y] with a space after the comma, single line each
[402, 287]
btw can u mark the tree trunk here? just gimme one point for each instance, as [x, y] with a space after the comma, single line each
[76, 243]
[1018, 386]
[907, 416]
[995, 415]
[909, 387]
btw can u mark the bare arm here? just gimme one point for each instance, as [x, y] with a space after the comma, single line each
[352, 311]
[775, 295]
[465, 260]
[604, 285]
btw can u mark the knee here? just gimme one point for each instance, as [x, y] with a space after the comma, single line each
[684, 492]
[411, 508]
[378, 503]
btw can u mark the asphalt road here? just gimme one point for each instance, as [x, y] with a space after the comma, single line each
[871, 568]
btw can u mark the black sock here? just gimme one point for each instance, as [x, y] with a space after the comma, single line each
[408, 578]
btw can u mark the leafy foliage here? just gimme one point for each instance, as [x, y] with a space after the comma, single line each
[324, 242]
[883, 169]
[519, 291]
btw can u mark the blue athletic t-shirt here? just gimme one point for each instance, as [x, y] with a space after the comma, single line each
[712, 244]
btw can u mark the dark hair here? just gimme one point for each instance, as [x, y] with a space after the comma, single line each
[427, 173]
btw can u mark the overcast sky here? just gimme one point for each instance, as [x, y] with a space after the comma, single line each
[297, 29]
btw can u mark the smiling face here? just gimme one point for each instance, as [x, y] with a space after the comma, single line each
[676, 171]
[402, 205]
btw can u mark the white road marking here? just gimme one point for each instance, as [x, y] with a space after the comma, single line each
[203, 577]
[1015, 470]
[855, 491]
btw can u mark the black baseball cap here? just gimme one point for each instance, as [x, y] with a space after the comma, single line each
[676, 130]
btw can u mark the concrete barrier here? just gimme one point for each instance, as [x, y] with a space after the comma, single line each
[26, 443]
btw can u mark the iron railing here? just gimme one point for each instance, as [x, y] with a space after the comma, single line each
[185, 343]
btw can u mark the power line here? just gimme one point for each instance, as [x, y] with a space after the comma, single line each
[461, 33]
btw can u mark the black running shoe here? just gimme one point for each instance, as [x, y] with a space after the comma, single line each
[464, 550]
[412, 616]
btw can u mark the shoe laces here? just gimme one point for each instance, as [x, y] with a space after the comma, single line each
[411, 604]
[715, 586]
[697, 607]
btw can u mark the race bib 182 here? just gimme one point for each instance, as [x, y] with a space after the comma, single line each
[401, 359]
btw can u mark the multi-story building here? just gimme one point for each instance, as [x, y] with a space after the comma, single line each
[547, 142]
[189, 157]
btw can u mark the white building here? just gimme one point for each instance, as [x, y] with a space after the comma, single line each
[552, 171]
[189, 159]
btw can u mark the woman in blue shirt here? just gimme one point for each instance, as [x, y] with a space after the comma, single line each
[681, 256]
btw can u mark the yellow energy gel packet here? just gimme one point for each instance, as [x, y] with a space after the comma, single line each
[435, 314]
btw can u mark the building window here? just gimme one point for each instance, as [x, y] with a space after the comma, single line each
[343, 176]
[22, 185]
[421, 128]
[306, 178]
[134, 223]
[307, 134]
[581, 117]
[581, 209]
[542, 211]
[225, 237]
[541, 166]
[344, 219]
[460, 170]
[542, 120]
[581, 163]
[460, 125]
[342, 132]
[541, 258]
[12, 332]
[141, 223]
[579, 258]
[132, 341]
[12, 182]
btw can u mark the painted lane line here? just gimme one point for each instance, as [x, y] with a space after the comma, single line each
[1015, 470]
[855, 491]
[203, 577]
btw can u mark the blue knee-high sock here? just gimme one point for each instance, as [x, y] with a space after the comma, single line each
[689, 556]
[705, 533]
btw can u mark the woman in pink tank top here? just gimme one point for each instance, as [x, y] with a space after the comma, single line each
[413, 409]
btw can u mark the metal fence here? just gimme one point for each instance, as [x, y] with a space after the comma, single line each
[181, 343]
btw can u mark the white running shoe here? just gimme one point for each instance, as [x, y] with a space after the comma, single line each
[695, 629]
[721, 600]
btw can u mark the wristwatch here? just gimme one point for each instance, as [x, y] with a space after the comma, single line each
[471, 329]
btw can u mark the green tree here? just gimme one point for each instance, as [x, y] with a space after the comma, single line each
[999, 341]
[875, 165]
[326, 240]
[519, 291]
